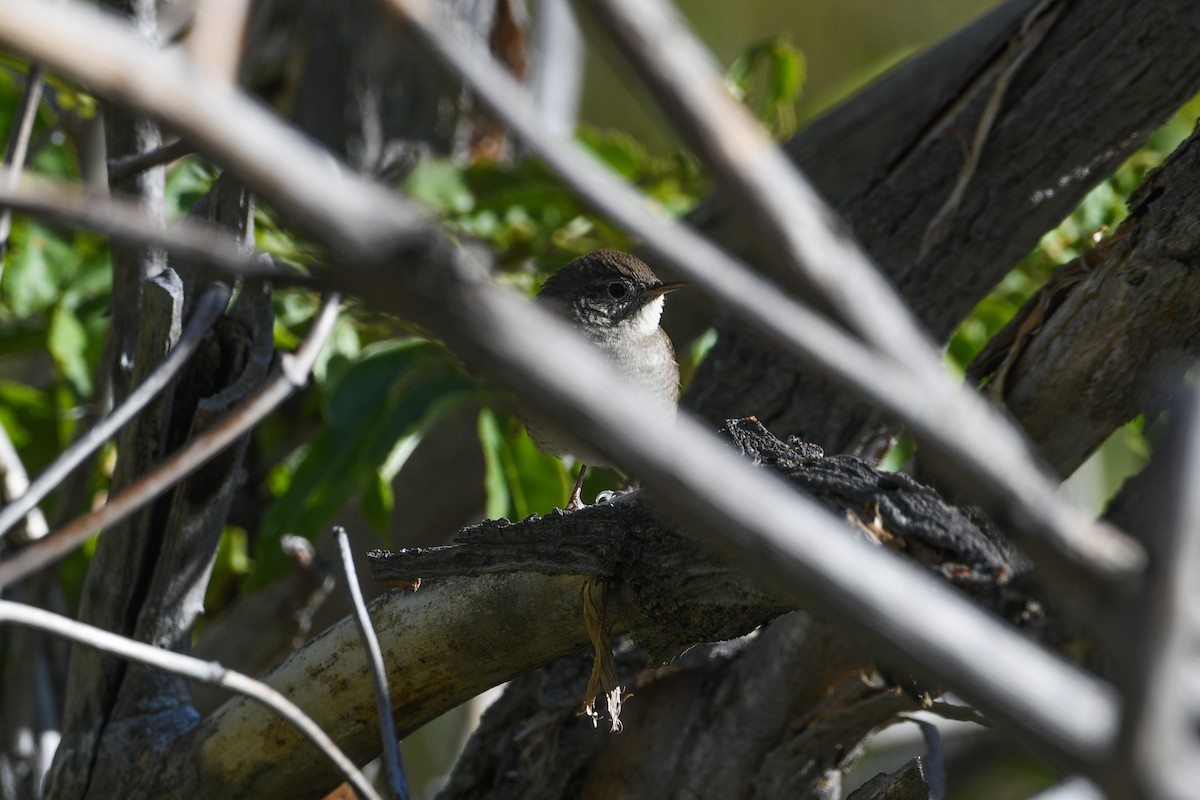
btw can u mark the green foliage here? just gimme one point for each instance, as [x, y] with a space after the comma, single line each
[1100, 212]
[375, 412]
[520, 480]
[528, 218]
[768, 77]
[231, 565]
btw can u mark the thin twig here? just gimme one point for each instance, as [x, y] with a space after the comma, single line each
[188, 238]
[383, 701]
[211, 304]
[120, 169]
[292, 375]
[208, 672]
[934, 767]
[18, 146]
[14, 482]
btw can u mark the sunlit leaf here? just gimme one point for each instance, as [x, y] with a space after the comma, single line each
[67, 341]
[376, 404]
[520, 479]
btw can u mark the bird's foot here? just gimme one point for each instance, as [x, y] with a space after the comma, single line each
[608, 495]
[576, 501]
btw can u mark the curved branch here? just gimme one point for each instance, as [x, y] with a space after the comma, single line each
[506, 599]
[208, 672]
[123, 220]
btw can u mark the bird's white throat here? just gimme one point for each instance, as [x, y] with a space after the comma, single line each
[645, 321]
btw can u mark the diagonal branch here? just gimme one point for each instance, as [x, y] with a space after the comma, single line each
[208, 672]
[121, 169]
[786, 540]
[209, 308]
[18, 145]
[187, 238]
[954, 424]
[291, 375]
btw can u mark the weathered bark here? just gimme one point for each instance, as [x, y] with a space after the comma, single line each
[1112, 333]
[769, 716]
[1105, 75]
[127, 133]
[906, 783]
[519, 606]
[148, 577]
[352, 79]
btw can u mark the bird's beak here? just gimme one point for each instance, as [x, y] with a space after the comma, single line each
[664, 288]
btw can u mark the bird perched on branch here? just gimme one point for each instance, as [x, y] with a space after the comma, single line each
[616, 302]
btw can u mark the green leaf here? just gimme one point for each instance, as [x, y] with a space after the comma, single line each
[67, 341]
[186, 183]
[622, 153]
[439, 184]
[377, 409]
[495, 479]
[520, 479]
[231, 565]
[768, 77]
[378, 500]
[30, 283]
[29, 416]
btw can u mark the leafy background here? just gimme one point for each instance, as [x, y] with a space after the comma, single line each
[380, 387]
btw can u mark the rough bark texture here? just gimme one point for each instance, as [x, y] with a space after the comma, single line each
[491, 617]
[353, 79]
[126, 134]
[781, 711]
[148, 576]
[1111, 334]
[1113, 69]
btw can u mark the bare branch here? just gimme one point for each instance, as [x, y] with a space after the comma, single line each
[1159, 754]
[121, 169]
[209, 308]
[954, 424]
[18, 145]
[790, 542]
[808, 253]
[216, 37]
[188, 238]
[383, 700]
[14, 483]
[558, 65]
[292, 375]
[208, 672]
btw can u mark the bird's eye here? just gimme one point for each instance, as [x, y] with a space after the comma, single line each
[616, 290]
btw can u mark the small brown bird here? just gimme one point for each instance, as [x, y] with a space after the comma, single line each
[616, 302]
